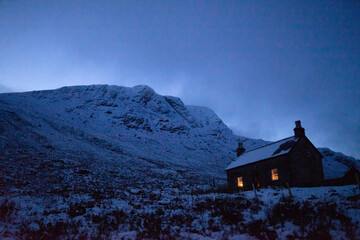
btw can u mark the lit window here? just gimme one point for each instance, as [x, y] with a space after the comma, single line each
[240, 182]
[274, 174]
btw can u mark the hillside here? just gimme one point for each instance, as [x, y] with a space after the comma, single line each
[107, 133]
[101, 160]
[335, 164]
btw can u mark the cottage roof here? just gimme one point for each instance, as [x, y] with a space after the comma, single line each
[274, 149]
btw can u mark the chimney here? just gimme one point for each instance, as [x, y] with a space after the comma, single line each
[240, 149]
[299, 130]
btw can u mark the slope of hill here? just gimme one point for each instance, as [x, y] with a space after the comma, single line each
[335, 164]
[106, 132]
[110, 162]
[103, 132]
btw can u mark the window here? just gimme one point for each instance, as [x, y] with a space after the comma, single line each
[274, 174]
[240, 182]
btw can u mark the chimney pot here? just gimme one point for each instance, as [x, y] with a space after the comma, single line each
[299, 130]
[240, 149]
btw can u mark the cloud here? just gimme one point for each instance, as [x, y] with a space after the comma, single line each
[4, 89]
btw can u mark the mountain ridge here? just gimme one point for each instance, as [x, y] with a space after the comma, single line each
[78, 129]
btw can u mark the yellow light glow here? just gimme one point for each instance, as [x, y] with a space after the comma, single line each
[240, 182]
[274, 174]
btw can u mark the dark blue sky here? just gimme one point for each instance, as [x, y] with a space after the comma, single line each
[260, 65]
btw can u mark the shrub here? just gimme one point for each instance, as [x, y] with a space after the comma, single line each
[110, 222]
[260, 229]
[58, 230]
[6, 209]
[182, 219]
[76, 209]
[229, 209]
[150, 225]
[315, 220]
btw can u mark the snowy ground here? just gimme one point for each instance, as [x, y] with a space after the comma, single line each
[172, 213]
[108, 162]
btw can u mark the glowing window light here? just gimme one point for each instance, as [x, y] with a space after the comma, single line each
[274, 174]
[240, 182]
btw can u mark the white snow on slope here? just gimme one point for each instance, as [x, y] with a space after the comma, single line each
[336, 164]
[88, 127]
[187, 216]
[82, 156]
[90, 124]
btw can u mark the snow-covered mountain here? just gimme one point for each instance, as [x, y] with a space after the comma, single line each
[335, 164]
[76, 137]
[108, 162]
[89, 129]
